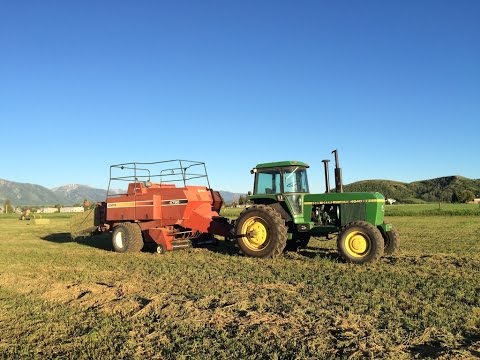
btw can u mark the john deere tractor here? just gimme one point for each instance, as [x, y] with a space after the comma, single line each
[285, 213]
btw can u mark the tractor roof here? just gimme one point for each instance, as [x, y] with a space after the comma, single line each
[281, 164]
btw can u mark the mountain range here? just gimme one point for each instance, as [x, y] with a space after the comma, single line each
[21, 194]
[444, 189]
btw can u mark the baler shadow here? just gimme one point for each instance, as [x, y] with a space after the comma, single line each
[59, 238]
[104, 242]
[101, 241]
[224, 247]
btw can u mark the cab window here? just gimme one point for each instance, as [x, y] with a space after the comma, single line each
[268, 182]
[295, 180]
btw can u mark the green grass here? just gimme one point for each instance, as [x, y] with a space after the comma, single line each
[231, 213]
[433, 209]
[65, 299]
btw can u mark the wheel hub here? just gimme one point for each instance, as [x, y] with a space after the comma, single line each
[359, 244]
[119, 240]
[356, 244]
[256, 233]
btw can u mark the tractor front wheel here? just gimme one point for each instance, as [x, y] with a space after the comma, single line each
[360, 242]
[127, 237]
[261, 232]
[392, 241]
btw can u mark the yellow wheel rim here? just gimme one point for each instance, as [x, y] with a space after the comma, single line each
[357, 244]
[255, 232]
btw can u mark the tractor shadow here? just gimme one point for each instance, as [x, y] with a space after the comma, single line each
[224, 247]
[101, 241]
[314, 252]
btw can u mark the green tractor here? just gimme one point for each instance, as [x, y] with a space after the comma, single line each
[284, 213]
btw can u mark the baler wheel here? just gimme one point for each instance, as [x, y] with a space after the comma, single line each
[261, 232]
[127, 237]
[360, 242]
[392, 241]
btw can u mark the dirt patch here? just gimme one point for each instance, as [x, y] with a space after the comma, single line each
[110, 298]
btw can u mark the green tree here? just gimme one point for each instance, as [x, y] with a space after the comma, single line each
[463, 196]
[242, 200]
[467, 196]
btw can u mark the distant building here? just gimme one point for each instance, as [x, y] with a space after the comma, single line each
[72, 209]
[48, 210]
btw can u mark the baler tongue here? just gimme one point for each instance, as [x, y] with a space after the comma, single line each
[204, 219]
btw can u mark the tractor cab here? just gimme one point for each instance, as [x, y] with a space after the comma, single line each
[283, 179]
[280, 178]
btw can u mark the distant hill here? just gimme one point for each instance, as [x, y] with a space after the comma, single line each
[21, 194]
[28, 194]
[444, 189]
[75, 193]
[229, 197]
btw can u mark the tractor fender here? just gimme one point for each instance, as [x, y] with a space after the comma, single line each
[281, 210]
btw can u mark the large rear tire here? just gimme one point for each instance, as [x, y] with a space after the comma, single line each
[392, 241]
[127, 237]
[261, 232]
[360, 242]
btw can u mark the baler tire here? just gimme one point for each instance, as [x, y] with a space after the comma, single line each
[160, 249]
[127, 237]
[392, 242]
[272, 232]
[360, 242]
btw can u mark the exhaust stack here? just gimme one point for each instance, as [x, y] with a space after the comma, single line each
[327, 175]
[338, 173]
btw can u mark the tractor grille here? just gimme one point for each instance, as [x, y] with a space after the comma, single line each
[352, 212]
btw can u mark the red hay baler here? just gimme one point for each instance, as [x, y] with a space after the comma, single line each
[159, 207]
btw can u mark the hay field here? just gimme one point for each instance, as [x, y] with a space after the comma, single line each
[66, 299]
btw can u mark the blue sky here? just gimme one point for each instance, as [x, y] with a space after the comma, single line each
[394, 85]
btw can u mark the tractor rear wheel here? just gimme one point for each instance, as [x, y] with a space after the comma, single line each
[261, 232]
[392, 241]
[360, 242]
[127, 237]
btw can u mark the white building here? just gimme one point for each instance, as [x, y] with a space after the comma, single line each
[72, 209]
[48, 210]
